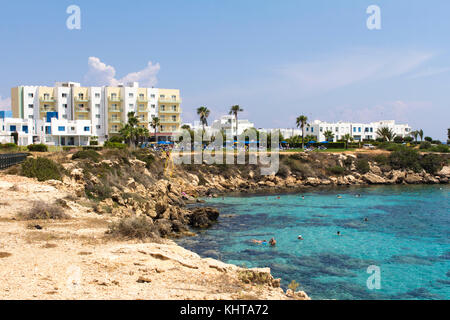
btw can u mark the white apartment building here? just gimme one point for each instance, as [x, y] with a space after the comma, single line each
[69, 114]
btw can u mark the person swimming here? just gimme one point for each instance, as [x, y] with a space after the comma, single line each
[303, 197]
[339, 197]
[339, 233]
[259, 241]
[272, 242]
[300, 237]
[366, 219]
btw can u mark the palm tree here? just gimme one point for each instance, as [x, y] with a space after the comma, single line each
[203, 112]
[421, 134]
[234, 110]
[142, 133]
[415, 134]
[301, 123]
[329, 135]
[386, 133]
[346, 138]
[155, 125]
[129, 131]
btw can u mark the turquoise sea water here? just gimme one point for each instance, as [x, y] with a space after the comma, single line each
[407, 235]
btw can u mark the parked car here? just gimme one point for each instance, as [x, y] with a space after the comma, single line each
[368, 146]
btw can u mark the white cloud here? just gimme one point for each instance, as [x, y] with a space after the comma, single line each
[5, 104]
[102, 74]
[343, 70]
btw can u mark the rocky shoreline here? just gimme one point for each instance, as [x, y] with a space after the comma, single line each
[117, 185]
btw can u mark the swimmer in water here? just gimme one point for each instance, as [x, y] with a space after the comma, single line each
[339, 233]
[365, 219]
[339, 197]
[300, 237]
[259, 241]
[303, 197]
[272, 242]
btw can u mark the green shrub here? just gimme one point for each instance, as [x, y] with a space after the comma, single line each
[405, 158]
[93, 143]
[41, 168]
[117, 139]
[133, 228]
[338, 170]
[87, 154]
[408, 139]
[441, 148]
[362, 166]
[431, 163]
[429, 139]
[425, 145]
[68, 148]
[8, 146]
[146, 157]
[98, 191]
[115, 145]
[37, 147]
[348, 162]
[398, 139]
[381, 159]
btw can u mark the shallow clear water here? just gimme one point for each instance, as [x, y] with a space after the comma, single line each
[407, 235]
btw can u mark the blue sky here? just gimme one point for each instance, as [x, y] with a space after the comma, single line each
[277, 59]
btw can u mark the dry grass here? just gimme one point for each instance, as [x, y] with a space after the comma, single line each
[133, 228]
[44, 211]
[5, 254]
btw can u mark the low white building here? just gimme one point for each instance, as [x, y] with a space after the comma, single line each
[24, 128]
[359, 131]
[226, 123]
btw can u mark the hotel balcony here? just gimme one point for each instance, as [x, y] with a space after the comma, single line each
[84, 110]
[170, 110]
[52, 109]
[143, 110]
[169, 100]
[139, 99]
[114, 131]
[83, 99]
[115, 120]
[115, 99]
[169, 121]
[115, 110]
[47, 99]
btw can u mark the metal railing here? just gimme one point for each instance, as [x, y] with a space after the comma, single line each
[8, 160]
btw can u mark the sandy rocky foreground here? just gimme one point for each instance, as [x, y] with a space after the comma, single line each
[73, 259]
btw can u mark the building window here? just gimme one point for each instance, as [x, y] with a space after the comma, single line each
[64, 95]
[152, 96]
[86, 129]
[65, 106]
[312, 129]
[359, 129]
[163, 107]
[97, 95]
[174, 108]
[174, 97]
[162, 96]
[131, 106]
[30, 95]
[61, 129]
[30, 106]
[48, 130]
[97, 105]
[174, 118]
[321, 129]
[174, 128]
[153, 106]
[97, 116]
[354, 129]
[130, 95]
[98, 127]
[12, 128]
[30, 116]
